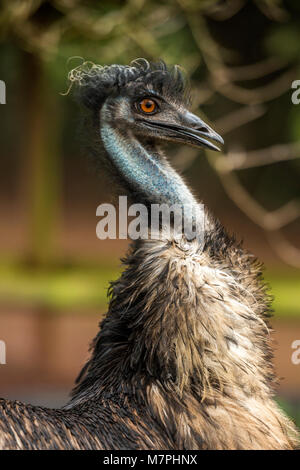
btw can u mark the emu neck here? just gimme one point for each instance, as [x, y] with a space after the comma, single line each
[144, 170]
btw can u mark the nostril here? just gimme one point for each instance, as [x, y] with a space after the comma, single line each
[202, 129]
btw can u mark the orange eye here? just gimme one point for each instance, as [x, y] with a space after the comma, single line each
[148, 106]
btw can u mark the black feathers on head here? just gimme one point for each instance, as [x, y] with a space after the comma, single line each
[96, 82]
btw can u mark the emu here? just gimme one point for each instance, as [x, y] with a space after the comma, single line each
[183, 358]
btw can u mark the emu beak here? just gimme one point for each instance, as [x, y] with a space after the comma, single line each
[189, 129]
[197, 131]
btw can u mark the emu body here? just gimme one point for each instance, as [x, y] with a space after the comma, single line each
[183, 358]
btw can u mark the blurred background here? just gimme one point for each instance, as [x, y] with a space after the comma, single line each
[242, 57]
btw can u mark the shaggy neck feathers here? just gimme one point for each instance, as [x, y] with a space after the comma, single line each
[187, 322]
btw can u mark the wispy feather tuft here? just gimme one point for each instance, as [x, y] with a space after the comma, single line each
[96, 82]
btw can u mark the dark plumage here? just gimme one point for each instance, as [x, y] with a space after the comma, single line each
[97, 82]
[183, 357]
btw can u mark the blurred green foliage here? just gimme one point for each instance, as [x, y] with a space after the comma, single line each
[57, 290]
[291, 408]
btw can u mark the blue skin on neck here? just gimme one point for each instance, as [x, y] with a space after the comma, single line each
[148, 175]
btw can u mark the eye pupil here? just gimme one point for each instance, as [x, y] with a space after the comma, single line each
[147, 105]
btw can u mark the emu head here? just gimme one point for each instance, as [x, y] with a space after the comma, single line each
[146, 99]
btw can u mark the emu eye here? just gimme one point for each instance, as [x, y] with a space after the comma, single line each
[148, 106]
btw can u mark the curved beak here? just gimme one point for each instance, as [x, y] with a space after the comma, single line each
[198, 131]
[191, 130]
